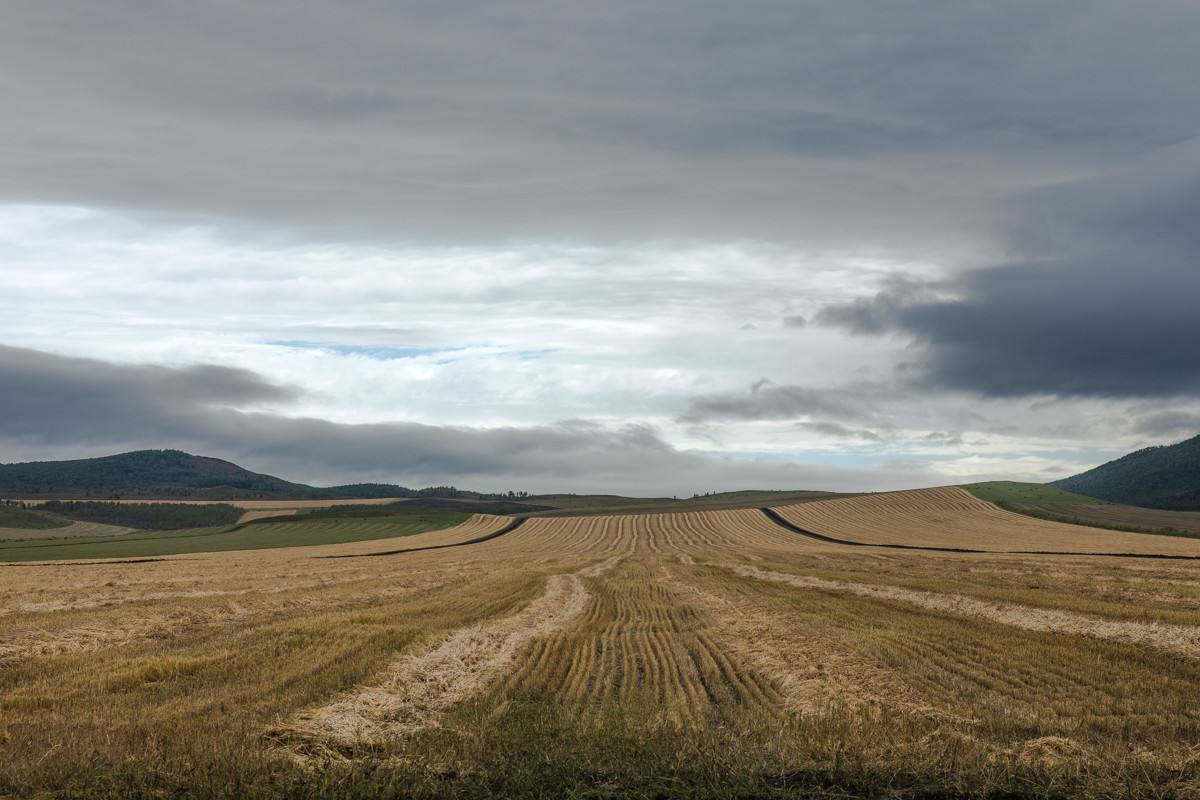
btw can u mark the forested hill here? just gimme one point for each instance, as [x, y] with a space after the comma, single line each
[163, 474]
[1166, 476]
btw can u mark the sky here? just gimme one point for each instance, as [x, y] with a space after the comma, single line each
[653, 249]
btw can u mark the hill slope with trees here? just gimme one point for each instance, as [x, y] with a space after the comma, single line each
[164, 474]
[1165, 476]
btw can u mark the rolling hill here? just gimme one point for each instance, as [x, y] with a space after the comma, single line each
[164, 474]
[1164, 477]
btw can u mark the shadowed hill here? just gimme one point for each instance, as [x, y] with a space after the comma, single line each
[1166, 477]
[165, 474]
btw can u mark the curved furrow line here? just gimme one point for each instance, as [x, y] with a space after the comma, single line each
[806, 673]
[664, 662]
[569, 672]
[747, 689]
[681, 683]
[535, 663]
[654, 667]
[602, 670]
[566, 676]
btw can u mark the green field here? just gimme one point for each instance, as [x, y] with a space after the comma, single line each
[1015, 492]
[145, 516]
[11, 517]
[251, 536]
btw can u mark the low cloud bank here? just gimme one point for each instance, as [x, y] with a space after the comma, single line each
[56, 407]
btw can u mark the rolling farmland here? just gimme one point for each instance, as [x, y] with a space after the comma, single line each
[950, 517]
[259, 535]
[700, 653]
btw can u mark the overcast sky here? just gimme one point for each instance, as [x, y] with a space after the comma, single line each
[660, 248]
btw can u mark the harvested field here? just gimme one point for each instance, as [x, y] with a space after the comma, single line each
[416, 689]
[689, 654]
[265, 513]
[1179, 639]
[591, 506]
[1122, 515]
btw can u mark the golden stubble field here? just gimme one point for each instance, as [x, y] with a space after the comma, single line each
[693, 654]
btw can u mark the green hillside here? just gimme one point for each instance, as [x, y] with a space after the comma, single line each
[1166, 477]
[136, 471]
[12, 517]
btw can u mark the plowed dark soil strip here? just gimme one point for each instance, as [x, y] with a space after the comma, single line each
[509, 528]
[783, 523]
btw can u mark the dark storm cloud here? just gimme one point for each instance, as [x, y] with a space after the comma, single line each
[1104, 304]
[55, 407]
[687, 117]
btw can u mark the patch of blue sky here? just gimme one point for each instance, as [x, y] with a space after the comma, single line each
[528, 355]
[388, 352]
[378, 352]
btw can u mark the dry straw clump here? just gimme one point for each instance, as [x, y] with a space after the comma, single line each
[416, 688]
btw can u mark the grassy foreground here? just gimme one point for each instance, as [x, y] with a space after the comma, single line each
[648, 697]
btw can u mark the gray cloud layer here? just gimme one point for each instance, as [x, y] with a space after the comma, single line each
[767, 401]
[684, 118]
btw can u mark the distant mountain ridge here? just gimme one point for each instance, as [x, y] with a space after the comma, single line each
[166, 474]
[1165, 476]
